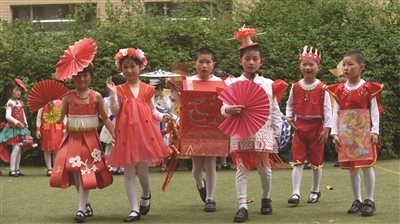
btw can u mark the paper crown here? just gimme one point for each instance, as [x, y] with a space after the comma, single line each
[244, 34]
[338, 70]
[316, 56]
[180, 68]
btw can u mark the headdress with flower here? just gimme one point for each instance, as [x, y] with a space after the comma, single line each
[129, 52]
[316, 56]
[244, 34]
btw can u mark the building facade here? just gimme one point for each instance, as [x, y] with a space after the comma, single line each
[47, 10]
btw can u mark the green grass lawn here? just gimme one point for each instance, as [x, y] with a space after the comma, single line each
[30, 199]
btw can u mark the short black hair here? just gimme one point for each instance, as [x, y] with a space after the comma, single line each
[357, 55]
[206, 51]
[256, 47]
[118, 79]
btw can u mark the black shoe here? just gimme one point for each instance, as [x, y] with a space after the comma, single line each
[115, 172]
[336, 165]
[355, 207]
[210, 206]
[368, 208]
[80, 217]
[89, 210]
[202, 191]
[19, 173]
[49, 172]
[294, 201]
[226, 167]
[266, 207]
[242, 215]
[144, 209]
[13, 174]
[314, 200]
[132, 218]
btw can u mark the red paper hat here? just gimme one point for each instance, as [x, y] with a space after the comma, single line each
[310, 54]
[20, 83]
[77, 57]
[244, 34]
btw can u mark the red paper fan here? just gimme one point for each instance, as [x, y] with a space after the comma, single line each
[254, 114]
[76, 58]
[45, 91]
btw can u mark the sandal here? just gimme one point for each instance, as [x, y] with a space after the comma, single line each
[145, 209]
[49, 172]
[19, 173]
[80, 217]
[314, 200]
[294, 201]
[89, 210]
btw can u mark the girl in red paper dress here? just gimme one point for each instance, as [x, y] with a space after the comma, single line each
[80, 160]
[254, 151]
[16, 129]
[49, 133]
[358, 94]
[308, 111]
[139, 143]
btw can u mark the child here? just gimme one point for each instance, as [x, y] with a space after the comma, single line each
[16, 129]
[308, 111]
[358, 94]
[254, 151]
[50, 133]
[204, 64]
[105, 135]
[139, 143]
[338, 72]
[80, 161]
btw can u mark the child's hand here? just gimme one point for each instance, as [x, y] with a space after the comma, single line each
[323, 136]
[336, 141]
[290, 120]
[38, 135]
[20, 125]
[110, 86]
[374, 138]
[166, 118]
[234, 109]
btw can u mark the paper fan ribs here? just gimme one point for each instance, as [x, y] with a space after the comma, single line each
[254, 114]
[45, 91]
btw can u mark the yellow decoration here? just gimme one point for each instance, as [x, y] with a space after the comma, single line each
[53, 116]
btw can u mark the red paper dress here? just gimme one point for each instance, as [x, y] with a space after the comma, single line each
[138, 138]
[80, 150]
[359, 98]
[11, 134]
[51, 132]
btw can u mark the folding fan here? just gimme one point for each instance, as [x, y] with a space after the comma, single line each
[53, 116]
[254, 114]
[45, 91]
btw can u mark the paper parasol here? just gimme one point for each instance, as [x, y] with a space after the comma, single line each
[76, 58]
[159, 74]
[45, 91]
[254, 114]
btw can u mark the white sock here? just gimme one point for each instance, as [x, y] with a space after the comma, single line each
[197, 170]
[316, 179]
[223, 161]
[355, 184]
[243, 205]
[142, 171]
[13, 157]
[297, 175]
[130, 186]
[211, 175]
[47, 159]
[369, 182]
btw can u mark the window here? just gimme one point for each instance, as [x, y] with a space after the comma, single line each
[160, 8]
[47, 15]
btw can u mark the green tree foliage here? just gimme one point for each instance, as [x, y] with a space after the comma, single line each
[31, 51]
